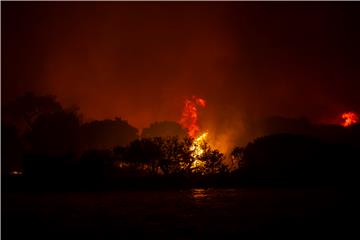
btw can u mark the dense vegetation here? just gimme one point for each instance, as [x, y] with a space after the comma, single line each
[41, 140]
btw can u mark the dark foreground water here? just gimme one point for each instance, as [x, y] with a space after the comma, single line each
[186, 214]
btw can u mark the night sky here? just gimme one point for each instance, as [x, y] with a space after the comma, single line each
[139, 61]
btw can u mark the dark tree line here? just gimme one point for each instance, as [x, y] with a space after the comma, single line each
[44, 140]
[325, 154]
[171, 156]
[38, 127]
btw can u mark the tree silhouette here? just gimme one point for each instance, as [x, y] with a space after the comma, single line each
[28, 107]
[54, 134]
[175, 155]
[213, 161]
[143, 153]
[164, 129]
[288, 157]
[171, 156]
[106, 134]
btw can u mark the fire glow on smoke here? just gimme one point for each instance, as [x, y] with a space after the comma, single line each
[349, 118]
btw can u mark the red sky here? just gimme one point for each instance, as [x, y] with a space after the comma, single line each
[139, 61]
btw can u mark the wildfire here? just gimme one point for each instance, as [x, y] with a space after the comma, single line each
[197, 150]
[349, 118]
[189, 118]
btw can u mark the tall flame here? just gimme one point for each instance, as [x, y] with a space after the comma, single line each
[189, 118]
[349, 118]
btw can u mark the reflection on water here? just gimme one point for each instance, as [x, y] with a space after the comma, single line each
[199, 213]
[199, 194]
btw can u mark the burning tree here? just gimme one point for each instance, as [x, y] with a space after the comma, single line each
[204, 159]
[171, 156]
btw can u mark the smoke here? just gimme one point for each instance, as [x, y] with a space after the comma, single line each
[139, 61]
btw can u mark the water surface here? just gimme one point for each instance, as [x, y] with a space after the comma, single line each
[181, 214]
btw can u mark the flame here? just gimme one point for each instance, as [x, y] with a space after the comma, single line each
[197, 150]
[201, 102]
[349, 118]
[189, 118]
